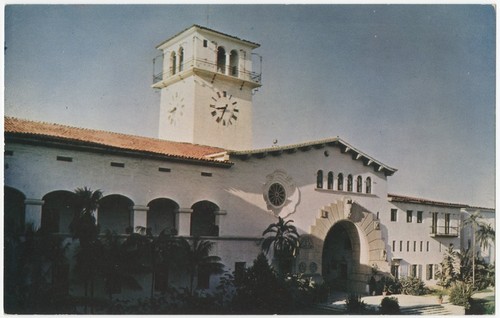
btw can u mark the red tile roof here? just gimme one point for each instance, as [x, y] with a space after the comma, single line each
[179, 150]
[407, 199]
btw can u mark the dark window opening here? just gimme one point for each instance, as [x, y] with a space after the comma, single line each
[164, 169]
[394, 215]
[62, 158]
[330, 180]
[340, 182]
[118, 164]
[409, 216]
[205, 43]
[206, 174]
[319, 179]
[420, 216]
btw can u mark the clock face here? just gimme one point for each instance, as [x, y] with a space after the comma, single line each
[224, 109]
[175, 108]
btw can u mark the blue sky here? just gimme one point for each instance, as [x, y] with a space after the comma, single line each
[411, 85]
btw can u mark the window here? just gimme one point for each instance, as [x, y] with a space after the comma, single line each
[394, 215]
[421, 246]
[161, 278]
[118, 164]
[395, 271]
[409, 215]
[205, 43]
[239, 271]
[434, 222]
[394, 246]
[419, 216]
[447, 223]
[368, 185]
[181, 59]
[221, 60]
[427, 246]
[400, 246]
[206, 174]
[407, 246]
[413, 270]
[414, 246]
[340, 182]
[359, 184]
[276, 194]
[330, 180]
[349, 183]
[161, 169]
[173, 63]
[430, 271]
[319, 179]
[233, 63]
[204, 277]
[63, 158]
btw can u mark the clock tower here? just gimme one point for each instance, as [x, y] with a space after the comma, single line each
[206, 82]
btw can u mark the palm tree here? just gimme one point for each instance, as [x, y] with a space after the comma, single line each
[84, 228]
[474, 220]
[284, 241]
[485, 235]
[121, 261]
[198, 257]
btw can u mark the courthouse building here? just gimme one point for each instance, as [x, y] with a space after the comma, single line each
[201, 177]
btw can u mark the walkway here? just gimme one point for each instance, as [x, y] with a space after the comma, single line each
[410, 305]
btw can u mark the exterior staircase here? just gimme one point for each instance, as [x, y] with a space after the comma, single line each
[427, 310]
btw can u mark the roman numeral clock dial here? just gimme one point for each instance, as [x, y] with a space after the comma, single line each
[224, 109]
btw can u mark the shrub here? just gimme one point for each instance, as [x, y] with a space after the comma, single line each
[412, 286]
[389, 306]
[354, 304]
[461, 294]
[392, 285]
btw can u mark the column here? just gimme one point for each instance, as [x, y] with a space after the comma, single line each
[139, 216]
[219, 220]
[228, 57]
[183, 221]
[33, 212]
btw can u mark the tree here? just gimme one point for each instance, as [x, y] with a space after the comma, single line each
[475, 222]
[284, 241]
[485, 235]
[121, 261]
[198, 257]
[168, 252]
[85, 229]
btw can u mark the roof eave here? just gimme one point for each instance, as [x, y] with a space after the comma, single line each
[64, 143]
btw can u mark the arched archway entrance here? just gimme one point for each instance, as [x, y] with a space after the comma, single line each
[341, 255]
[343, 245]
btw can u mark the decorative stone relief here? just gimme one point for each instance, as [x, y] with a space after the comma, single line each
[313, 267]
[281, 194]
[302, 267]
[306, 242]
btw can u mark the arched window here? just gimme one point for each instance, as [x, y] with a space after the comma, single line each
[330, 180]
[233, 63]
[57, 211]
[173, 63]
[161, 216]
[221, 60]
[114, 213]
[368, 185]
[181, 59]
[14, 210]
[319, 179]
[203, 219]
[340, 182]
[359, 184]
[349, 183]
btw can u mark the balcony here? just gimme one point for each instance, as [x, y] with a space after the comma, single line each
[444, 231]
[203, 65]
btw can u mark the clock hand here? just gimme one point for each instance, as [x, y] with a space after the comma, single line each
[223, 111]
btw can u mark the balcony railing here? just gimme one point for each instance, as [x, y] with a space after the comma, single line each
[234, 71]
[444, 231]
